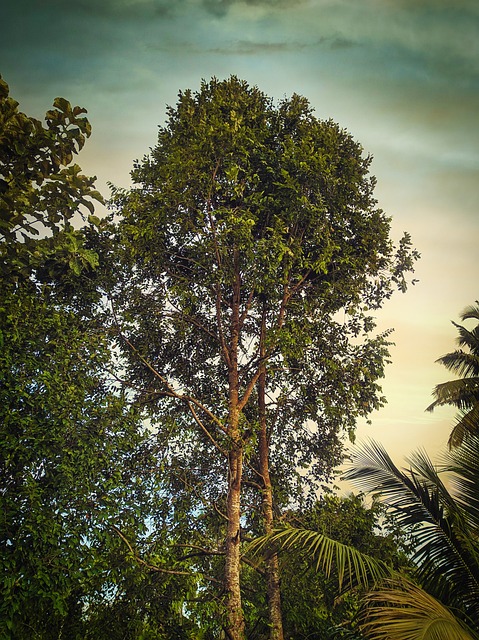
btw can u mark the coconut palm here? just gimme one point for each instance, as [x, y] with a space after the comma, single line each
[464, 392]
[444, 525]
[440, 599]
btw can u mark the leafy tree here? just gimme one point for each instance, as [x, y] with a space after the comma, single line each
[71, 448]
[462, 393]
[247, 260]
[71, 457]
[41, 189]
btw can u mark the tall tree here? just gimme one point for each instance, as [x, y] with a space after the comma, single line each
[464, 392]
[247, 260]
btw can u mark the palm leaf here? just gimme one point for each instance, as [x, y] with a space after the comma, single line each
[401, 610]
[331, 556]
[467, 338]
[462, 363]
[463, 465]
[436, 521]
[471, 312]
[372, 470]
[461, 393]
[467, 423]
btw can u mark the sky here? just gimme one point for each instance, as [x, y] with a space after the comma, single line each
[402, 76]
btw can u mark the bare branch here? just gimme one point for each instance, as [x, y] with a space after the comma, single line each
[142, 562]
[171, 392]
[205, 430]
[249, 388]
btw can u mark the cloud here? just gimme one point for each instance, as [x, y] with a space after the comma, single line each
[458, 5]
[221, 7]
[254, 47]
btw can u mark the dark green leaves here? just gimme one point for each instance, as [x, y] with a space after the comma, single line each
[40, 190]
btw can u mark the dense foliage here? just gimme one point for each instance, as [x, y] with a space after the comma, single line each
[315, 605]
[178, 379]
[71, 447]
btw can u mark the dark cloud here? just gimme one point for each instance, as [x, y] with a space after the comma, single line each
[251, 48]
[139, 8]
[94, 9]
[339, 42]
[254, 47]
[221, 7]
[243, 47]
[457, 5]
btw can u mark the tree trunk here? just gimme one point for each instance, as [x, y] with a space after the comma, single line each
[272, 564]
[235, 627]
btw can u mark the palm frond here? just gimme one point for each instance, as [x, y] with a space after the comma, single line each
[423, 505]
[462, 363]
[471, 312]
[330, 556]
[469, 339]
[401, 610]
[463, 465]
[372, 470]
[467, 424]
[461, 393]
[422, 466]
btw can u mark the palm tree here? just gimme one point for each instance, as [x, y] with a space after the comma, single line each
[440, 599]
[462, 393]
[444, 526]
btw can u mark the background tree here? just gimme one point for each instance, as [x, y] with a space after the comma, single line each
[247, 260]
[462, 393]
[41, 188]
[314, 604]
[71, 448]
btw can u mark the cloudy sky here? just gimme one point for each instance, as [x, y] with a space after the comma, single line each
[401, 75]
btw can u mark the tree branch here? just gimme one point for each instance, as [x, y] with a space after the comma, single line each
[205, 430]
[142, 562]
[171, 392]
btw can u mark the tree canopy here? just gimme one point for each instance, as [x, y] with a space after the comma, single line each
[180, 377]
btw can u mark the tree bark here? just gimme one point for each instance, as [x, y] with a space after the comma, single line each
[272, 564]
[235, 627]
